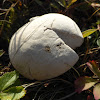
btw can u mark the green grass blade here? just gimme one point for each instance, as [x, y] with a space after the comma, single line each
[88, 32]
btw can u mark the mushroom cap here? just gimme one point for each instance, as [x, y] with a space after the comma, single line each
[43, 48]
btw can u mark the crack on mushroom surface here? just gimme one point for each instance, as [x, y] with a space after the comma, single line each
[52, 22]
[47, 28]
[50, 28]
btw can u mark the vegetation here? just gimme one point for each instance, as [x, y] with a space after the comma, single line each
[82, 81]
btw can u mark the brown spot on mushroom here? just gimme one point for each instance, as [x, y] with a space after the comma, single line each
[59, 45]
[47, 48]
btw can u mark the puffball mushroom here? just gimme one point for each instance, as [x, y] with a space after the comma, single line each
[43, 48]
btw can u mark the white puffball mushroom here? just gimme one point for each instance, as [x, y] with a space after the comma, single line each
[43, 48]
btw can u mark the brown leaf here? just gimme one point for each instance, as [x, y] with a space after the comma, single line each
[84, 83]
[96, 91]
[93, 66]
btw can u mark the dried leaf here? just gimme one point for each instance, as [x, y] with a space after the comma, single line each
[94, 13]
[96, 91]
[84, 83]
[94, 67]
[95, 4]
